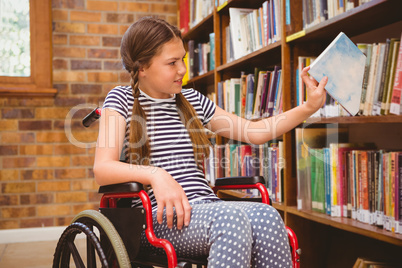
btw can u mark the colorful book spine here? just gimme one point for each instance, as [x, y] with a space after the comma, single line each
[395, 106]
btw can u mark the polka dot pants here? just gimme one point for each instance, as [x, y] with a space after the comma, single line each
[232, 234]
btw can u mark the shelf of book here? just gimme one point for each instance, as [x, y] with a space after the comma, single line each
[368, 22]
[352, 22]
[350, 225]
[256, 58]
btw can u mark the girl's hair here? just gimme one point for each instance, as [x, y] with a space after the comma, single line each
[140, 43]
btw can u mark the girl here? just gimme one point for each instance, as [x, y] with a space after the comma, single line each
[159, 127]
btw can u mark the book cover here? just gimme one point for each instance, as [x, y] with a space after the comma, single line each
[258, 85]
[235, 84]
[184, 16]
[387, 74]
[274, 165]
[278, 100]
[390, 81]
[379, 79]
[265, 88]
[237, 33]
[377, 105]
[343, 63]
[366, 49]
[397, 86]
[368, 103]
[243, 94]
[212, 51]
[249, 96]
[379, 206]
[317, 180]
[191, 56]
[399, 195]
[272, 96]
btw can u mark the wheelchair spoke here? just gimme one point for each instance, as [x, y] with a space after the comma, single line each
[91, 257]
[76, 255]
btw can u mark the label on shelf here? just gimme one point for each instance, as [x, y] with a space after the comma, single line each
[295, 35]
[222, 6]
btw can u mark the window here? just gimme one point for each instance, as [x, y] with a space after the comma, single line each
[21, 77]
[15, 53]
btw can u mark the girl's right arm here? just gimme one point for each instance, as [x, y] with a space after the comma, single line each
[109, 170]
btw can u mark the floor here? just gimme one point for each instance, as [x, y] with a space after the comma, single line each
[31, 254]
[28, 255]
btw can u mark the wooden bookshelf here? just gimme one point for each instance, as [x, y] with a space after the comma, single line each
[349, 225]
[389, 119]
[325, 241]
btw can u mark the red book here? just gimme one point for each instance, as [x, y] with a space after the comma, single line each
[395, 107]
[184, 16]
[245, 150]
[364, 211]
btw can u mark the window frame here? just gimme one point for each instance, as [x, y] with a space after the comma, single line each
[40, 82]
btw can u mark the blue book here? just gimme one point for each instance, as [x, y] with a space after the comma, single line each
[249, 96]
[343, 63]
[212, 51]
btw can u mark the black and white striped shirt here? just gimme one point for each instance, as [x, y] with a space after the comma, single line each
[171, 147]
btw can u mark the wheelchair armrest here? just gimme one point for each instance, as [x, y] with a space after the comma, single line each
[254, 182]
[127, 187]
[239, 181]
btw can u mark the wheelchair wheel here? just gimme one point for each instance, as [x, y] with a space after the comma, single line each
[107, 251]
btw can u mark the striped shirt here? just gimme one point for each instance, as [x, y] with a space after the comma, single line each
[171, 147]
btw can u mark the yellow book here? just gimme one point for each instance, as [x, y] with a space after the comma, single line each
[186, 77]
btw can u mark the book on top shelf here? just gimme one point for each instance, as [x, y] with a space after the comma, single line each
[184, 17]
[343, 63]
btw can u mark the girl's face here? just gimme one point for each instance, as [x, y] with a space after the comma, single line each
[163, 77]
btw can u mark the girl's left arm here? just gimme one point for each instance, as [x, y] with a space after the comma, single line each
[258, 132]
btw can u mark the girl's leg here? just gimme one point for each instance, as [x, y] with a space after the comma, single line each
[218, 230]
[270, 239]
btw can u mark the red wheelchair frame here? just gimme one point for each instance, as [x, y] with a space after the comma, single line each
[110, 198]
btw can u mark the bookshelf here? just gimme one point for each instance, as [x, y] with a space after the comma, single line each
[325, 241]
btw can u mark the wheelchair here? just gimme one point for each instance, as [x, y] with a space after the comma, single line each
[113, 234]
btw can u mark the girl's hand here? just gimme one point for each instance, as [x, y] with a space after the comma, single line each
[169, 194]
[315, 91]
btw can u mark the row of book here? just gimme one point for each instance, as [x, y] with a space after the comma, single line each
[232, 159]
[200, 57]
[382, 83]
[193, 12]
[350, 180]
[317, 11]
[252, 96]
[251, 29]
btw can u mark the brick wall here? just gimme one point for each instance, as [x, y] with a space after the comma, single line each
[45, 177]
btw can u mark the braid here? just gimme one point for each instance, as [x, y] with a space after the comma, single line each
[139, 143]
[194, 127]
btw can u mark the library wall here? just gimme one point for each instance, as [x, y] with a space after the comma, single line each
[45, 179]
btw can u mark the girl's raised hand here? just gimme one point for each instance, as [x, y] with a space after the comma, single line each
[169, 194]
[315, 91]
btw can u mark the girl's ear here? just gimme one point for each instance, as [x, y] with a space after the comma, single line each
[141, 72]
